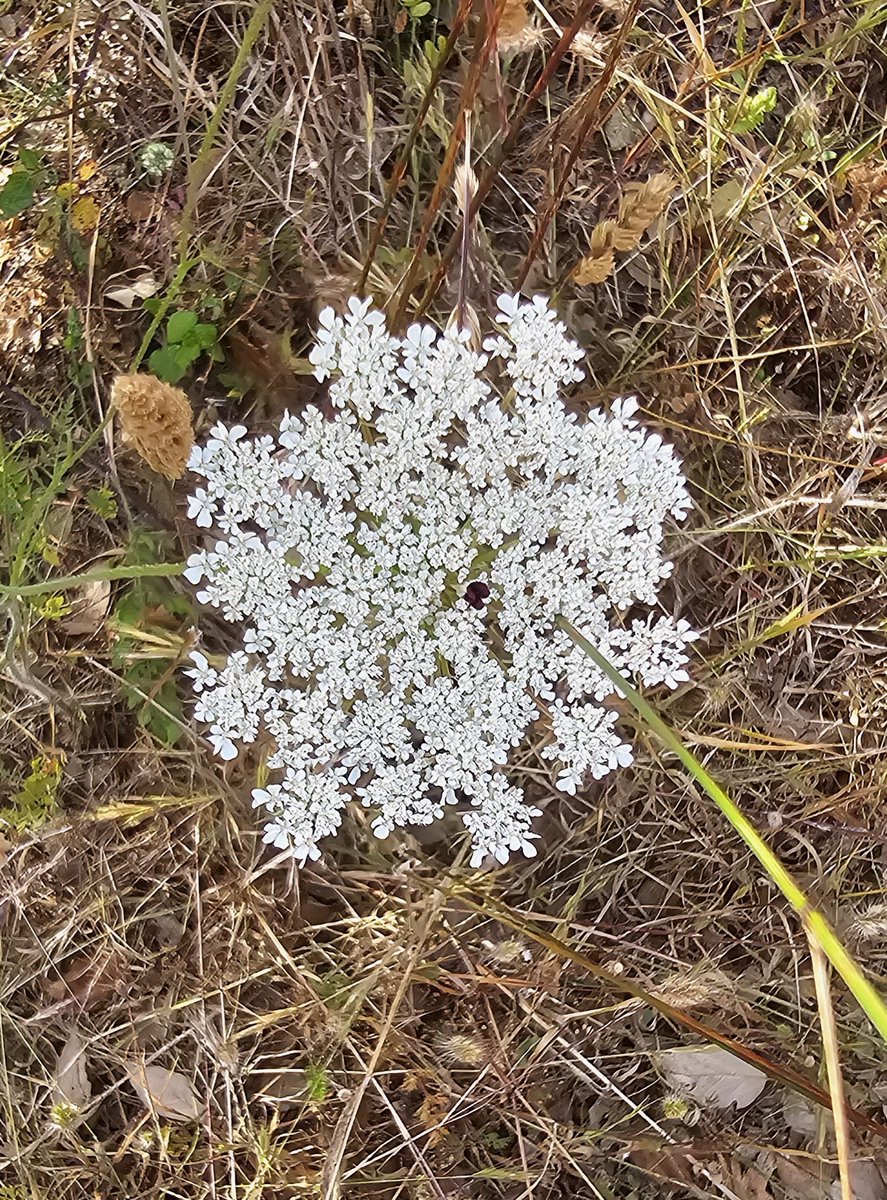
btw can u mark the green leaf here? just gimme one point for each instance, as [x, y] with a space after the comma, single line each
[753, 109]
[103, 502]
[164, 363]
[422, 9]
[186, 351]
[180, 324]
[216, 353]
[318, 1082]
[29, 159]
[206, 335]
[17, 194]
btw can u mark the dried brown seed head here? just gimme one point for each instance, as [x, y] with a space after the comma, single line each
[156, 418]
[639, 207]
[515, 33]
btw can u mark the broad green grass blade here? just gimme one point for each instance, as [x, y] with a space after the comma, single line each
[815, 924]
[63, 583]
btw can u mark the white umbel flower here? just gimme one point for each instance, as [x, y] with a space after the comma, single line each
[399, 571]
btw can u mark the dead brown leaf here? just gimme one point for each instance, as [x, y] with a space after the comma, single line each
[89, 979]
[804, 1178]
[71, 1083]
[663, 1162]
[167, 1093]
[141, 206]
[89, 607]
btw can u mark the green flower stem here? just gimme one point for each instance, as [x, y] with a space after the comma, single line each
[815, 924]
[66, 582]
[200, 169]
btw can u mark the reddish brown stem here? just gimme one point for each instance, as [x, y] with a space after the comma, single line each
[484, 47]
[504, 149]
[592, 109]
[403, 162]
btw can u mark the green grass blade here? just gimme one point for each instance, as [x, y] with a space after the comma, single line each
[814, 922]
[64, 583]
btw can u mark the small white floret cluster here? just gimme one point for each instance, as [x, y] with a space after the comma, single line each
[399, 569]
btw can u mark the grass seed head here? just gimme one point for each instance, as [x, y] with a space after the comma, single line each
[462, 1049]
[156, 419]
[515, 33]
[641, 204]
[870, 925]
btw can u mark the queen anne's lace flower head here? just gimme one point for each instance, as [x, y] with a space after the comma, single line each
[399, 572]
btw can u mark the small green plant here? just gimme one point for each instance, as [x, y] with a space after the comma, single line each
[752, 109]
[496, 1140]
[79, 366]
[36, 801]
[317, 1082]
[417, 8]
[53, 607]
[145, 625]
[187, 337]
[156, 159]
[14, 1191]
[417, 73]
[103, 502]
[20, 189]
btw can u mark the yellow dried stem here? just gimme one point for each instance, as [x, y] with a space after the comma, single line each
[156, 419]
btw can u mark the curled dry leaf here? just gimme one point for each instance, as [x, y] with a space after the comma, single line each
[713, 1077]
[71, 1083]
[89, 607]
[140, 289]
[167, 1093]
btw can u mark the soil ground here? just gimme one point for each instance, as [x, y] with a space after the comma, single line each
[181, 1015]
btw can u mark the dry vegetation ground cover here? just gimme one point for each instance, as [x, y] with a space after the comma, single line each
[180, 1014]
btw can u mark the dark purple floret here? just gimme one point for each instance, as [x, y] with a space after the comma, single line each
[476, 594]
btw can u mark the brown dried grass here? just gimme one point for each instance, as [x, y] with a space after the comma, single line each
[749, 328]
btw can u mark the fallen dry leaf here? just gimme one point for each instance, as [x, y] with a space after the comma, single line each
[866, 1182]
[799, 1115]
[804, 1179]
[89, 607]
[71, 1084]
[711, 1076]
[140, 289]
[89, 980]
[283, 1088]
[85, 214]
[141, 206]
[166, 1092]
